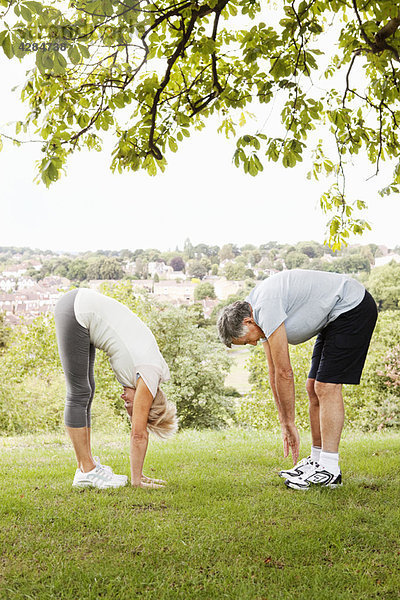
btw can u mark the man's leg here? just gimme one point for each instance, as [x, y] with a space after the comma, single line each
[331, 415]
[331, 409]
[314, 412]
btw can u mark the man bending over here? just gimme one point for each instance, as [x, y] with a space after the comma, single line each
[290, 308]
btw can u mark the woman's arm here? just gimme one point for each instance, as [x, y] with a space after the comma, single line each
[128, 396]
[142, 402]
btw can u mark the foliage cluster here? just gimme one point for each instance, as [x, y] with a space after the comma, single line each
[204, 290]
[80, 269]
[392, 370]
[151, 73]
[384, 285]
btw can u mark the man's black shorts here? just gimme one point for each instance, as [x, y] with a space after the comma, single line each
[341, 347]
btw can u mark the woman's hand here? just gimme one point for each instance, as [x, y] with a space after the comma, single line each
[128, 396]
[147, 486]
[151, 480]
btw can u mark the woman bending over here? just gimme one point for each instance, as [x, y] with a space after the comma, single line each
[86, 320]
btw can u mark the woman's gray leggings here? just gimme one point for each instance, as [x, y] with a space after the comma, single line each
[77, 358]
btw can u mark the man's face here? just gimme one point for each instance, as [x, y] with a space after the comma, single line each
[253, 334]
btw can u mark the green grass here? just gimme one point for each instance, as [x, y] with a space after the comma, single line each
[225, 527]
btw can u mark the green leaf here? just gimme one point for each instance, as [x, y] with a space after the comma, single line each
[74, 55]
[1, 144]
[83, 120]
[26, 13]
[258, 163]
[232, 9]
[7, 45]
[52, 172]
[107, 7]
[172, 144]
[84, 50]
[44, 61]
[34, 6]
[59, 63]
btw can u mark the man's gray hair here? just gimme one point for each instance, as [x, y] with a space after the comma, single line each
[230, 322]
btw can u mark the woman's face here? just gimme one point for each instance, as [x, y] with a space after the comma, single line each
[128, 396]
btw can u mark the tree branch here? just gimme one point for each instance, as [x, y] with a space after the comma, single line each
[380, 44]
[356, 53]
[198, 14]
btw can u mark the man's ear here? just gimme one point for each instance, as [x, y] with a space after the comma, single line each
[249, 320]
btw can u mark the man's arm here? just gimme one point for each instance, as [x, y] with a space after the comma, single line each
[271, 374]
[139, 434]
[282, 384]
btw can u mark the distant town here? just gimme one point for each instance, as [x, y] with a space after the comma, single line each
[31, 280]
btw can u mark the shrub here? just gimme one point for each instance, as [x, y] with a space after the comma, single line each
[391, 371]
[204, 290]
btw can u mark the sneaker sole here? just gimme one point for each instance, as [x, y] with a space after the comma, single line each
[91, 485]
[329, 485]
[293, 486]
[286, 474]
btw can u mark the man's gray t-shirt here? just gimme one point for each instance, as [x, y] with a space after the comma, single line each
[306, 301]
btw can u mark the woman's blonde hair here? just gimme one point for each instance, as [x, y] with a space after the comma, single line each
[162, 419]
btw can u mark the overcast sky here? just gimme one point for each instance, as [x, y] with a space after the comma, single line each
[202, 196]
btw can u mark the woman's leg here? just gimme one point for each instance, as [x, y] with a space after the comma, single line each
[80, 438]
[92, 356]
[75, 353]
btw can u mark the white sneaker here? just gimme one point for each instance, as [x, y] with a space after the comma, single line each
[98, 478]
[109, 469]
[318, 477]
[304, 465]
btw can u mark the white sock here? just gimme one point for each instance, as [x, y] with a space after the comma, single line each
[315, 452]
[330, 462]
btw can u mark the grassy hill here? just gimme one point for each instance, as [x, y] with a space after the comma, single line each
[224, 527]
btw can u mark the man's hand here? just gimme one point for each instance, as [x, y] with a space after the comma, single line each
[291, 441]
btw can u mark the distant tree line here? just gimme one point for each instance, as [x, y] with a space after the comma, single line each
[245, 263]
[80, 269]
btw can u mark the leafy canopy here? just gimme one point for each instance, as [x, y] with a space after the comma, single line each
[151, 73]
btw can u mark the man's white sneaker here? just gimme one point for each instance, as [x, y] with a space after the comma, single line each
[318, 477]
[305, 465]
[107, 468]
[97, 478]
